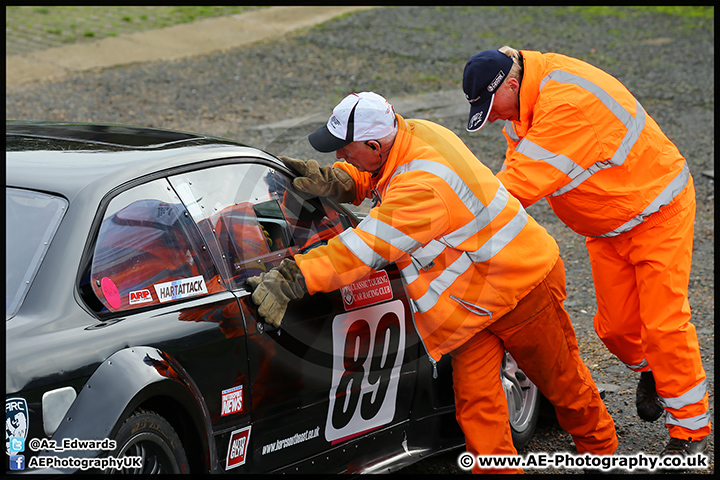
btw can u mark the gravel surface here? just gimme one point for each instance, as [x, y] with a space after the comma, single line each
[271, 95]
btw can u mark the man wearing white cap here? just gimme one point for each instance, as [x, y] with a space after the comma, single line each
[482, 275]
[579, 138]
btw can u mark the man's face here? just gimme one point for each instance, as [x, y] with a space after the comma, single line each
[361, 156]
[506, 105]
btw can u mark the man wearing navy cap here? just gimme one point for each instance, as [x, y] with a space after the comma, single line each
[579, 138]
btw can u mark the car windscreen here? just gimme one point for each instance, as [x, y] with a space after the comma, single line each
[31, 220]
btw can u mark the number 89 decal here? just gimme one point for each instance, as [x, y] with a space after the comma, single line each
[368, 348]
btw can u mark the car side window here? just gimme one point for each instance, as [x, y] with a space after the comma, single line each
[254, 216]
[149, 251]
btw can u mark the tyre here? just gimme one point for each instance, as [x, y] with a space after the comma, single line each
[149, 436]
[523, 399]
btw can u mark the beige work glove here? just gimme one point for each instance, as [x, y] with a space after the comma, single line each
[332, 182]
[273, 290]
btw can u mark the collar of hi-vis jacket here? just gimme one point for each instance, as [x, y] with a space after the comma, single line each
[398, 153]
[533, 67]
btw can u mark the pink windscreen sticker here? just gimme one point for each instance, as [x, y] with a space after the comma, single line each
[111, 292]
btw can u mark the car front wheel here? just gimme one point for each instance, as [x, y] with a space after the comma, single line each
[153, 443]
[523, 399]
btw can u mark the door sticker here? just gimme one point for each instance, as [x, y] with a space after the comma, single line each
[17, 422]
[368, 350]
[183, 288]
[140, 296]
[367, 291]
[237, 448]
[232, 400]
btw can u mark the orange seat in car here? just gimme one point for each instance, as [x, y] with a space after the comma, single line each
[241, 238]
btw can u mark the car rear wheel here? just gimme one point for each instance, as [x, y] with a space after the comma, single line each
[523, 399]
[150, 437]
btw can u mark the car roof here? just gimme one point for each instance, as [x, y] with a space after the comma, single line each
[66, 157]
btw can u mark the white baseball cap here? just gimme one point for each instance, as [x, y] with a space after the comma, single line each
[360, 116]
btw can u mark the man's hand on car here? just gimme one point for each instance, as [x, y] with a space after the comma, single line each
[273, 290]
[332, 182]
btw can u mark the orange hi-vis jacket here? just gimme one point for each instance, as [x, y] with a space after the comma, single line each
[584, 142]
[467, 250]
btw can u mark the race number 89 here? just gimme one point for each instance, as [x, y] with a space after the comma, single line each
[368, 348]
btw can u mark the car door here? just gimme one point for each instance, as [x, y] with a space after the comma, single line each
[152, 265]
[342, 363]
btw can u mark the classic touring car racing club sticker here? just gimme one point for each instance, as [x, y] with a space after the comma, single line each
[183, 288]
[367, 291]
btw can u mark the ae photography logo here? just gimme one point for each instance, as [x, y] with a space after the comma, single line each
[466, 461]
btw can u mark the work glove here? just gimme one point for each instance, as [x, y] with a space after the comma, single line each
[331, 182]
[273, 290]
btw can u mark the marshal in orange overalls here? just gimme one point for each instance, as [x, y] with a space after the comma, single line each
[607, 170]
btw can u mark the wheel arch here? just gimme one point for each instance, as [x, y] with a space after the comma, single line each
[141, 377]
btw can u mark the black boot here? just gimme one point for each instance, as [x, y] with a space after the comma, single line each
[677, 446]
[646, 399]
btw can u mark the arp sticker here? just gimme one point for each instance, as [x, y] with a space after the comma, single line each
[232, 401]
[237, 448]
[368, 351]
[370, 290]
[17, 420]
[140, 296]
[183, 288]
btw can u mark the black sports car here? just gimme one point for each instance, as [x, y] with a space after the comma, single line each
[133, 346]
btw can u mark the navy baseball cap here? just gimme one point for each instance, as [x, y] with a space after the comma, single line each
[483, 75]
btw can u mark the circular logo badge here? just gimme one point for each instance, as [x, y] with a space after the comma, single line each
[111, 292]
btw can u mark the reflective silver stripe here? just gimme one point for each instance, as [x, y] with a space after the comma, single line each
[442, 282]
[410, 273]
[501, 238]
[424, 256]
[642, 364]
[635, 126]
[510, 130]
[464, 193]
[361, 250]
[482, 218]
[692, 423]
[694, 395]
[576, 173]
[388, 233]
[563, 163]
[668, 194]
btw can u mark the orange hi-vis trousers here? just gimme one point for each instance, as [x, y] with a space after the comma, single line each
[641, 283]
[539, 335]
